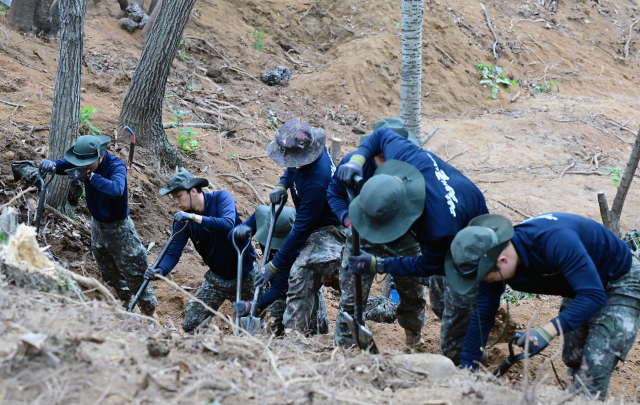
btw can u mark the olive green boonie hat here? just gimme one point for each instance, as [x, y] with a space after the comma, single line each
[389, 202]
[475, 250]
[183, 180]
[87, 149]
[396, 125]
[283, 227]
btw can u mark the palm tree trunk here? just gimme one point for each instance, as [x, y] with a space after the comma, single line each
[411, 70]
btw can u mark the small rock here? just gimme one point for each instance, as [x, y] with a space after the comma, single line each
[433, 365]
[157, 349]
[128, 24]
[276, 76]
[34, 339]
[9, 156]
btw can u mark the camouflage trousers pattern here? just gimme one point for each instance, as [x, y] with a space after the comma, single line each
[456, 316]
[412, 303]
[122, 260]
[318, 263]
[213, 291]
[593, 350]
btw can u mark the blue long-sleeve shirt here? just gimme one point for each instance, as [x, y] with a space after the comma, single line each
[308, 186]
[211, 241]
[106, 192]
[452, 200]
[561, 254]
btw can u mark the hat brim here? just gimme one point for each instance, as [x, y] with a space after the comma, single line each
[263, 219]
[299, 158]
[74, 160]
[411, 138]
[463, 284]
[411, 210]
[185, 185]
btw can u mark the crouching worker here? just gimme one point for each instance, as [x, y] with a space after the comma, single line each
[555, 254]
[115, 245]
[209, 217]
[273, 300]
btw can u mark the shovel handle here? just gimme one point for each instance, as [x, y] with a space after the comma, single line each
[355, 251]
[239, 280]
[43, 196]
[512, 359]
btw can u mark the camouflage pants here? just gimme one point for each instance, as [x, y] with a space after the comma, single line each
[411, 307]
[592, 351]
[213, 291]
[455, 320]
[122, 260]
[318, 262]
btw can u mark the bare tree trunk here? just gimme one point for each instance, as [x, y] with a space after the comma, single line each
[411, 70]
[611, 218]
[21, 14]
[142, 106]
[65, 113]
[152, 6]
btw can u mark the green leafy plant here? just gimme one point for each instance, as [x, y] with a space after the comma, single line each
[187, 145]
[192, 86]
[615, 173]
[258, 36]
[514, 296]
[272, 120]
[545, 87]
[182, 51]
[234, 156]
[2, 238]
[177, 115]
[3, 9]
[398, 25]
[86, 127]
[492, 76]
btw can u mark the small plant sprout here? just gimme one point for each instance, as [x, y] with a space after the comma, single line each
[86, 127]
[272, 120]
[258, 36]
[545, 87]
[192, 86]
[177, 115]
[182, 51]
[492, 76]
[615, 173]
[234, 156]
[398, 25]
[187, 145]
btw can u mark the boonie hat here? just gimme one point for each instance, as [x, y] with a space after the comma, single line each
[183, 180]
[283, 227]
[296, 144]
[87, 149]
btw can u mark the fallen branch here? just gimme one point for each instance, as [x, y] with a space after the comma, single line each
[20, 194]
[514, 209]
[245, 182]
[456, 155]
[497, 41]
[626, 46]
[567, 168]
[252, 157]
[429, 135]
[303, 15]
[167, 125]
[59, 215]
[90, 283]
[240, 71]
[445, 54]
[266, 185]
[11, 104]
[219, 114]
[588, 173]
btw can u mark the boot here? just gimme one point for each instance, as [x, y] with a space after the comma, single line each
[126, 302]
[412, 338]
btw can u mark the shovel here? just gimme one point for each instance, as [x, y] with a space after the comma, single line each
[512, 359]
[43, 196]
[251, 323]
[361, 335]
[239, 282]
[145, 283]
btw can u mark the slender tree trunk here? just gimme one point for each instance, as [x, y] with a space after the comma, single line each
[22, 13]
[152, 6]
[411, 70]
[142, 106]
[65, 113]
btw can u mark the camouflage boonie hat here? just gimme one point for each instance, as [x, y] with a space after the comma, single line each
[396, 125]
[296, 144]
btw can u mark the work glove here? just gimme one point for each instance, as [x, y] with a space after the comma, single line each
[347, 225]
[150, 273]
[183, 217]
[242, 308]
[277, 194]
[352, 168]
[363, 264]
[241, 233]
[266, 274]
[78, 173]
[539, 339]
[47, 166]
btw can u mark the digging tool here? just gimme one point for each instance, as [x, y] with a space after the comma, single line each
[145, 283]
[132, 146]
[361, 335]
[251, 323]
[43, 196]
[512, 359]
[239, 283]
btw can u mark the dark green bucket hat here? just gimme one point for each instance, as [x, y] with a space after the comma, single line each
[389, 202]
[184, 180]
[396, 125]
[475, 250]
[87, 149]
[283, 227]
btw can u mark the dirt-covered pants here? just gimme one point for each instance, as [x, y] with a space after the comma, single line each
[122, 260]
[593, 350]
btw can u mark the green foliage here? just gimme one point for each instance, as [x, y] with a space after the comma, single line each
[2, 237]
[234, 156]
[182, 51]
[258, 36]
[86, 127]
[187, 145]
[177, 115]
[615, 173]
[492, 76]
[398, 25]
[3, 9]
[514, 296]
[272, 120]
[545, 87]
[192, 86]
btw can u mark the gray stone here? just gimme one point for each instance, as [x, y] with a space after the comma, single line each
[128, 24]
[434, 366]
[276, 76]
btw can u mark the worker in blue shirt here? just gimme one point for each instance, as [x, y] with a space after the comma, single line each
[553, 254]
[414, 191]
[115, 245]
[313, 249]
[412, 303]
[272, 301]
[209, 217]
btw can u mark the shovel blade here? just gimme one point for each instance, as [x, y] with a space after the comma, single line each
[361, 335]
[251, 324]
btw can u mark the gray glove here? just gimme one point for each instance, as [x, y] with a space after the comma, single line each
[277, 194]
[47, 166]
[150, 273]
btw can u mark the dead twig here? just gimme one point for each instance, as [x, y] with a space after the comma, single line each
[445, 54]
[168, 125]
[252, 157]
[514, 209]
[239, 71]
[429, 135]
[11, 104]
[626, 46]
[304, 15]
[245, 182]
[20, 194]
[456, 155]
[497, 41]
[89, 282]
[567, 168]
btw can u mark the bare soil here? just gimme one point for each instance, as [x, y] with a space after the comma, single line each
[522, 149]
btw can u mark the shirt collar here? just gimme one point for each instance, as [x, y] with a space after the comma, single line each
[517, 244]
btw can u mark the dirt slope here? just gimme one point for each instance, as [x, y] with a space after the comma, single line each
[345, 61]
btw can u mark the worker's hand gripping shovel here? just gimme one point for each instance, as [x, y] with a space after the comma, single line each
[43, 196]
[251, 323]
[361, 335]
[145, 283]
[512, 359]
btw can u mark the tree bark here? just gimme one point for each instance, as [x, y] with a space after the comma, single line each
[22, 13]
[411, 70]
[65, 113]
[142, 106]
[152, 17]
[152, 6]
